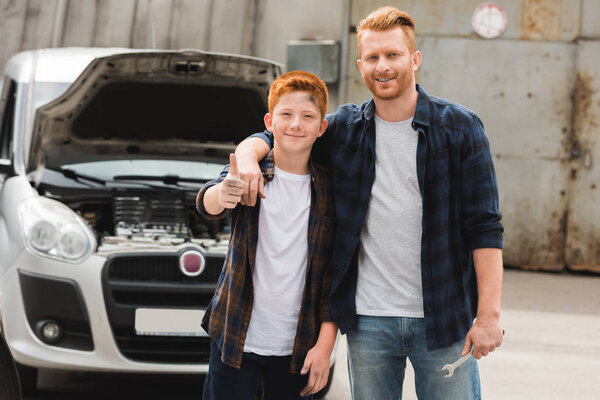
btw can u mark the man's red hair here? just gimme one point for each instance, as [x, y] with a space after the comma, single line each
[386, 18]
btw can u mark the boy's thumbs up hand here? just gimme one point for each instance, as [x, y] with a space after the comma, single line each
[232, 187]
[233, 167]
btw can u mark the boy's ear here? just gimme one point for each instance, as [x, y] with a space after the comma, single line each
[324, 124]
[269, 122]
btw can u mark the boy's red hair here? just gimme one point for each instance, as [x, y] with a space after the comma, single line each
[386, 18]
[299, 81]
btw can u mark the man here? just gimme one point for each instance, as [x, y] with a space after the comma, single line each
[417, 249]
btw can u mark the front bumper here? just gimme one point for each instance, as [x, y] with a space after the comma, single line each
[102, 336]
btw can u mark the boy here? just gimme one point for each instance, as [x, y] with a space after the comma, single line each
[270, 318]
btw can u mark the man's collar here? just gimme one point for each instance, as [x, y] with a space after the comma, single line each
[422, 112]
[421, 116]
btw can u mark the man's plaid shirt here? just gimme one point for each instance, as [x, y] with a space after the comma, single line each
[229, 312]
[460, 208]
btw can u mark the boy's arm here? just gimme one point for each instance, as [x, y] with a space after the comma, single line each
[317, 359]
[222, 193]
[249, 152]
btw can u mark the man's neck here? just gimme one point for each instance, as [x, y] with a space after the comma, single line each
[399, 109]
[294, 163]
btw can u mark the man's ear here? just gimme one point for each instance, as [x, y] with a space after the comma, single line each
[269, 122]
[416, 60]
[322, 128]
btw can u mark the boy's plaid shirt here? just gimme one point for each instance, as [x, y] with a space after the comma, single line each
[228, 314]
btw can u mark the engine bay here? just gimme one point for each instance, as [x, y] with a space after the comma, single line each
[129, 219]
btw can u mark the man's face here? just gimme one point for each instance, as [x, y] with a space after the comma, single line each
[386, 63]
[296, 122]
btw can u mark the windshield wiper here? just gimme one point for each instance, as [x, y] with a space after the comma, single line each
[166, 179]
[77, 177]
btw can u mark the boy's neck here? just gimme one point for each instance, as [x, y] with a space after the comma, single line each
[294, 163]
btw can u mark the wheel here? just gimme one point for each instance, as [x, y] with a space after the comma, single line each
[9, 383]
[28, 380]
[321, 393]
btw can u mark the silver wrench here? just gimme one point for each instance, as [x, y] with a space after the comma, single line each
[451, 367]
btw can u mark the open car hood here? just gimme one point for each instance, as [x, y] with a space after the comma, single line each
[157, 104]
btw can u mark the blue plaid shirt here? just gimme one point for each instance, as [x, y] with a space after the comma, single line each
[460, 208]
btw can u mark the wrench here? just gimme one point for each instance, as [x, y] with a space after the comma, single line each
[451, 367]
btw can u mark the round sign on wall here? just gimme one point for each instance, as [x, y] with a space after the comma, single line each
[489, 20]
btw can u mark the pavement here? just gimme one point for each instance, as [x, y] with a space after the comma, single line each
[551, 348]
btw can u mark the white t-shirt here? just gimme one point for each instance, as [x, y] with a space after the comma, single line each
[281, 264]
[389, 259]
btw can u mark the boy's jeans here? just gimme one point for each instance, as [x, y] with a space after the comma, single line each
[377, 351]
[227, 383]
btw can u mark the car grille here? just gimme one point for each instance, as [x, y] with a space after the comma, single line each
[163, 268]
[132, 281]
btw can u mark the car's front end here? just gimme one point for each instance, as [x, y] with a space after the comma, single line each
[106, 265]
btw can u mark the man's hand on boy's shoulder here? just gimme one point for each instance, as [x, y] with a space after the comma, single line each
[252, 180]
[232, 187]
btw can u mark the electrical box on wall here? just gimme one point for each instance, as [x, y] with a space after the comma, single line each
[321, 57]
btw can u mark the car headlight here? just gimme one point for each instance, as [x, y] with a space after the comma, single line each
[51, 229]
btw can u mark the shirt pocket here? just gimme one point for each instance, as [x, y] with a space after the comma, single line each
[437, 181]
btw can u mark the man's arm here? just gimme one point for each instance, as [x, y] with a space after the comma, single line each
[486, 333]
[254, 148]
[317, 359]
[483, 230]
[249, 152]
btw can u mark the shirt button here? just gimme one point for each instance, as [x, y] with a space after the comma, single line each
[343, 265]
[355, 233]
[427, 307]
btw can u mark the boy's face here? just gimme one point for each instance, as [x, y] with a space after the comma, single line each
[386, 63]
[296, 121]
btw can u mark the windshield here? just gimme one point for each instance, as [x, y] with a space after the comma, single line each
[107, 170]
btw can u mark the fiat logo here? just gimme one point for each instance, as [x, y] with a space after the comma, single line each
[191, 263]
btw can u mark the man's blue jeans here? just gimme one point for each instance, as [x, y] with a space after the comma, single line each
[377, 352]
